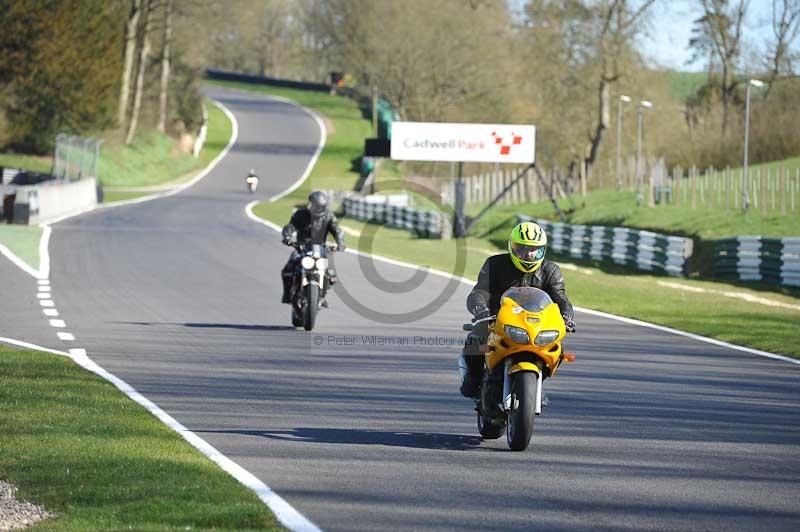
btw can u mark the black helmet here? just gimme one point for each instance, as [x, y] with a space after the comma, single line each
[317, 203]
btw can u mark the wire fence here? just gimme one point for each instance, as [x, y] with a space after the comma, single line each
[770, 190]
[76, 157]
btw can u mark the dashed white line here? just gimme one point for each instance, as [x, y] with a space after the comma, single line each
[43, 281]
[43, 295]
[44, 288]
[50, 312]
[47, 303]
[58, 323]
[68, 337]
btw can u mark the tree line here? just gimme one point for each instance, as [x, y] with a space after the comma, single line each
[560, 64]
[103, 67]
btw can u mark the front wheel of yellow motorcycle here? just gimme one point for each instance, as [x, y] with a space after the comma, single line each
[520, 419]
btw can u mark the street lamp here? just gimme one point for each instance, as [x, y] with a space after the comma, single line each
[644, 104]
[746, 187]
[622, 99]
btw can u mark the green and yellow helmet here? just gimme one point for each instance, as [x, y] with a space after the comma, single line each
[527, 245]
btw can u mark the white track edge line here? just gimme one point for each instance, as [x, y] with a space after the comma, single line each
[21, 264]
[323, 136]
[44, 254]
[285, 513]
[171, 192]
[630, 321]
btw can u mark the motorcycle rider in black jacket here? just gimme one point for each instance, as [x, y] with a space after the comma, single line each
[523, 265]
[309, 225]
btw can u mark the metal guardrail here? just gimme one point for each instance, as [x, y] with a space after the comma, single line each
[224, 75]
[426, 224]
[643, 250]
[753, 258]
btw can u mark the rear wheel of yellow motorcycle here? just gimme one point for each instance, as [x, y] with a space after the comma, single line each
[520, 419]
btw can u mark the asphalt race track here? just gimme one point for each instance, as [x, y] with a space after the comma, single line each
[180, 298]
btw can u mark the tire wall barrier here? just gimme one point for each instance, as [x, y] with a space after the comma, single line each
[423, 223]
[643, 250]
[753, 258]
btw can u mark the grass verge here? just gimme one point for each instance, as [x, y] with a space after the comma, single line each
[346, 125]
[152, 158]
[707, 308]
[35, 163]
[22, 241]
[605, 288]
[75, 445]
[609, 207]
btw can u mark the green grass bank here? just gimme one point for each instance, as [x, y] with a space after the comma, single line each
[772, 325]
[74, 444]
[23, 241]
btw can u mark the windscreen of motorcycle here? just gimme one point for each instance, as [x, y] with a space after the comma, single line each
[316, 250]
[529, 298]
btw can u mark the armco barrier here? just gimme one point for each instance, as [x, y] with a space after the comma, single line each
[427, 224]
[643, 250]
[753, 258]
[224, 75]
[51, 199]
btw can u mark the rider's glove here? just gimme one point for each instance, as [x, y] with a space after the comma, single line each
[288, 241]
[480, 312]
[569, 324]
[340, 246]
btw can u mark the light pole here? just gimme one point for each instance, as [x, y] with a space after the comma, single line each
[644, 104]
[622, 99]
[746, 187]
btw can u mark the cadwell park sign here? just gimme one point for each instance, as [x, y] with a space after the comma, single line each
[486, 143]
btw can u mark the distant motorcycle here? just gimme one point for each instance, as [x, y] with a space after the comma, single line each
[251, 181]
[523, 349]
[312, 280]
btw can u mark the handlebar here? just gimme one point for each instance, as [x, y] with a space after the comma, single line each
[471, 326]
[299, 247]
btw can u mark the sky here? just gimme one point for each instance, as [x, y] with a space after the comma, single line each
[666, 43]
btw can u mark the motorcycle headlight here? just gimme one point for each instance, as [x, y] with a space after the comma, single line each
[517, 334]
[307, 262]
[321, 264]
[545, 337]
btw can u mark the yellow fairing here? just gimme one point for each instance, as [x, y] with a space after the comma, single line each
[524, 366]
[501, 346]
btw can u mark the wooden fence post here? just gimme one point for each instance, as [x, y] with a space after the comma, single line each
[782, 174]
[583, 177]
[693, 177]
[772, 192]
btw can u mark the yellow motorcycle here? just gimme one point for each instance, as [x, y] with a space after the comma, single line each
[522, 350]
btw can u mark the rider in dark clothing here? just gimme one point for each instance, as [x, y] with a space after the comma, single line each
[309, 225]
[523, 265]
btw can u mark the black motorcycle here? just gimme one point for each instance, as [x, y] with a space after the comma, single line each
[312, 279]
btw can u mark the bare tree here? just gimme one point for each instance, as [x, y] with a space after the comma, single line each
[162, 98]
[619, 25]
[131, 26]
[785, 28]
[718, 35]
[144, 53]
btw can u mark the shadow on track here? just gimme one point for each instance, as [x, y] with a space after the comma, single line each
[238, 326]
[413, 440]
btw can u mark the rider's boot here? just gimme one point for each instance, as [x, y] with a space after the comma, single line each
[470, 376]
[287, 289]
